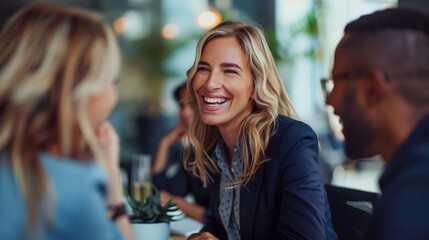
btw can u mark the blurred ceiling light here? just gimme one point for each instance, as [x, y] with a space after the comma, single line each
[170, 31]
[120, 25]
[209, 19]
[138, 24]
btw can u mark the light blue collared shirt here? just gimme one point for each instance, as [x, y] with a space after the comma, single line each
[80, 202]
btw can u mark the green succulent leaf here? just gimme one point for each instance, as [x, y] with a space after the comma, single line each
[151, 210]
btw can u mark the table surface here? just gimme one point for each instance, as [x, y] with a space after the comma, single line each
[176, 237]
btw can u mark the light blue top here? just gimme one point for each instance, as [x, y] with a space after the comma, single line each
[229, 207]
[80, 202]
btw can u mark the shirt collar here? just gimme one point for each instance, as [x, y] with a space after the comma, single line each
[220, 157]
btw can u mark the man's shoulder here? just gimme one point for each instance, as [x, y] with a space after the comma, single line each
[408, 176]
[402, 210]
[413, 165]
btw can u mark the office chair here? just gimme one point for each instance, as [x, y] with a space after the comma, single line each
[351, 211]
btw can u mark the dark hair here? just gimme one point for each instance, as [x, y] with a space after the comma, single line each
[177, 92]
[391, 19]
[389, 38]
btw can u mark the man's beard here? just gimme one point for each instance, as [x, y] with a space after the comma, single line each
[357, 128]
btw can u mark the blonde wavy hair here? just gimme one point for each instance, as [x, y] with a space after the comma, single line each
[53, 59]
[270, 100]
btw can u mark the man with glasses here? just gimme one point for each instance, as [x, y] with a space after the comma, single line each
[380, 90]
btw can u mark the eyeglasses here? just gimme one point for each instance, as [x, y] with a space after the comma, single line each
[329, 83]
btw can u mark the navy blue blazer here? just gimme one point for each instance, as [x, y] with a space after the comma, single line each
[286, 199]
[402, 212]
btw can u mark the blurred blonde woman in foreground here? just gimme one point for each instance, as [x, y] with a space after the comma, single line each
[59, 155]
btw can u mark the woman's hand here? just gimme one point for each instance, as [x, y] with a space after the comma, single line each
[109, 143]
[202, 236]
[166, 196]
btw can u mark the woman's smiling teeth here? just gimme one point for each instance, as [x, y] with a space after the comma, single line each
[214, 101]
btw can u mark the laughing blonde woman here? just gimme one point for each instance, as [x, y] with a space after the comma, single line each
[264, 163]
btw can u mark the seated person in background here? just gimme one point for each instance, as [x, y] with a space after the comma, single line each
[381, 93]
[264, 163]
[59, 156]
[167, 170]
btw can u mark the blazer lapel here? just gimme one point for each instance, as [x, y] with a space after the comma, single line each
[249, 197]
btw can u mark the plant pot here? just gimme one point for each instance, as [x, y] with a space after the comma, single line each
[151, 231]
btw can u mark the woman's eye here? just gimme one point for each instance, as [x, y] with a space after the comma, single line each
[202, 69]
[231, 71]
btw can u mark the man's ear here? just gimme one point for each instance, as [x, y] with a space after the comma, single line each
[374, 88]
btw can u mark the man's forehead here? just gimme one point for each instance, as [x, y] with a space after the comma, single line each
[348, 42]
[344, 58]
[349, 52]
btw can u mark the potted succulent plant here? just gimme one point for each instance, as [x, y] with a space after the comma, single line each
[150, 218]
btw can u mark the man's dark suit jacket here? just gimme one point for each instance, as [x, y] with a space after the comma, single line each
[287, 199]
[402, 212]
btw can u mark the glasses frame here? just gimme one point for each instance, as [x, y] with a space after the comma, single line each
[328, 84]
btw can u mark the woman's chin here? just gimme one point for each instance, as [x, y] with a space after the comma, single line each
[210, 121]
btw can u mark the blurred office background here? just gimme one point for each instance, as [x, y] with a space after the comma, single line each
[158, 40]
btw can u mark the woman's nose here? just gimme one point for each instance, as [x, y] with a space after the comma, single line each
[214, 81]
